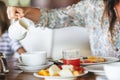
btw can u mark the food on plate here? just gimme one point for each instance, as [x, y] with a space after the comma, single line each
[54, 70]
[92, 59]
[76, 73]
[89, 59]
[65, 67]
[64, 71]
[44, 72]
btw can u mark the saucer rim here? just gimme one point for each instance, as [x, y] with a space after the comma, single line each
[20, 64]
[34, 68]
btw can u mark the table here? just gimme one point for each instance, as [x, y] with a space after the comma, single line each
[16, 74]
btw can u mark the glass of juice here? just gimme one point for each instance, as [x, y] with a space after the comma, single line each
[71, 57]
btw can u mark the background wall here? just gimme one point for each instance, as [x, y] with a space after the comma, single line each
[39, 39]
[70, 38]
[54, 41]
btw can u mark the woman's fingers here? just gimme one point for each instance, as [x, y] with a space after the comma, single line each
[15, 12]
[11, 12]
[20, 12]
[8, 12]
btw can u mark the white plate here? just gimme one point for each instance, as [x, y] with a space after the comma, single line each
[97, 69]
[34, 68]
[58, 77]
[108, 60]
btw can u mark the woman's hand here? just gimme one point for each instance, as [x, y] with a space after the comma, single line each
[15, 12]
[28, 12]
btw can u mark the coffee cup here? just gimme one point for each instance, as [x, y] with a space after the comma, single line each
[34, 58]
[18, 29]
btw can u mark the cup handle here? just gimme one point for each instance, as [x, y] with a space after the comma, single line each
[20, 60]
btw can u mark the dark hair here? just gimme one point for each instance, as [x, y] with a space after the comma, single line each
[4, 21]
[109, 9]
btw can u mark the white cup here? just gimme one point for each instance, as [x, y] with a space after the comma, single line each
[18, 29]
[34, 58]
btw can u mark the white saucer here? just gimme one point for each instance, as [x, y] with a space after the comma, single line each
[33, 68]
[97, 69]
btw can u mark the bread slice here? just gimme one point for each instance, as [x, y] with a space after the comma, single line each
[54, 70]
[70, 67]
[66, 73]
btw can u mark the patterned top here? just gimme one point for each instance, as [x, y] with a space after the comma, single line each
[8, 46]
[87, 13]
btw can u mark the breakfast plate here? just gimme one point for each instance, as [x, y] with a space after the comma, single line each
[104, 60]
[58, 77]
[107, 60]
[97, 69]
[33, 68]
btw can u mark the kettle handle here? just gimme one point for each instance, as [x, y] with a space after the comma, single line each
[4, 63]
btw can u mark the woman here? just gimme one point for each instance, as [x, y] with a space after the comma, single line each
[98, 16]
[7, 46]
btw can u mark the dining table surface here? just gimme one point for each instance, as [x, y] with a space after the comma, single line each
[16, 74]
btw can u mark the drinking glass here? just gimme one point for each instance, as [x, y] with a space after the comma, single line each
[71, 57]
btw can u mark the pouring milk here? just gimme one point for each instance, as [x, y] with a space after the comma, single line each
[18, 29]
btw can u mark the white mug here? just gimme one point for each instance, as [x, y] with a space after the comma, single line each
[18, 29]
[33, 58]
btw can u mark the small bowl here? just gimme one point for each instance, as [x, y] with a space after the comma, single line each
[112, 71]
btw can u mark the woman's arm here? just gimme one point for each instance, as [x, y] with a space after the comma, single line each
[21, 50]
[16, 46]
[19, 12]
[75, 15]
[85, 13]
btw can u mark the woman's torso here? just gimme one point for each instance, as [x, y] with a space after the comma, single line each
[100, 37]
[87, 13]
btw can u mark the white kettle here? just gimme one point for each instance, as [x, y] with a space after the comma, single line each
[18, 29]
